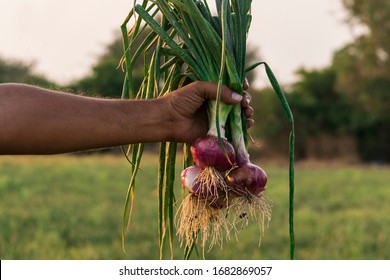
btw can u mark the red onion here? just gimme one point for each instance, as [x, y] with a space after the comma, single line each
[207, 189]
[207, 152]
[247, 178]
[188, 177]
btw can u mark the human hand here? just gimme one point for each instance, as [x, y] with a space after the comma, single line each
[188, 113]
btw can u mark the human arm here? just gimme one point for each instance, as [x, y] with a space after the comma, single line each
[38, 121]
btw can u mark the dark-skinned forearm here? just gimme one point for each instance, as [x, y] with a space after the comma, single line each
[37, 121]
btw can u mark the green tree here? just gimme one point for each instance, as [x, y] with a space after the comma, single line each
[350, 97]
[321, 110]
[319, 106]
[363, 69]
[13, 71]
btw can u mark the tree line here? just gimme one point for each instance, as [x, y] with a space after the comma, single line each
[343, 108]
[340, 110]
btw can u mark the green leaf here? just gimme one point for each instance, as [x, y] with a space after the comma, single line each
[286, 107]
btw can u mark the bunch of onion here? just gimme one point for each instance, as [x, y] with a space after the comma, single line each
[189, 43]
[225, 188]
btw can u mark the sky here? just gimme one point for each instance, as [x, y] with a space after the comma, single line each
[63, 38]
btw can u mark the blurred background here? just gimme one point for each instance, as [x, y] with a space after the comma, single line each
[332, 59]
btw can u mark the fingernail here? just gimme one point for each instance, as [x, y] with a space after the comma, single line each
[248, 100]
[236, 97]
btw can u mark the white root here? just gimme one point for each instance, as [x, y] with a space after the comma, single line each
[199, 221]
[251, 207]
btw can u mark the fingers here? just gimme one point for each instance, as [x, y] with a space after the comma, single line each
[248, 110]
[246, 84]
[250, 123]
[249, 114]
[246, 99]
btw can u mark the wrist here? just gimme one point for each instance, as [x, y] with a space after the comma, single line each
[164, 122]
[148, 121]
[167, 125]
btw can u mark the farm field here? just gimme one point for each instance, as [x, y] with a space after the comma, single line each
[70, 207]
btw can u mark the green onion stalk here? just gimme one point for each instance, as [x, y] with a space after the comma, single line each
[185, 44]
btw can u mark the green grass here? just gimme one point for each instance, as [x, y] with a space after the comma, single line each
[70, 207]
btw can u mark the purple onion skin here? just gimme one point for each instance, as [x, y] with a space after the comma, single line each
[188, 177]
[247, 178]
[206, 151]
[215, 197]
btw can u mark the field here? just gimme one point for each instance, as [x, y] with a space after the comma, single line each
[70, 207]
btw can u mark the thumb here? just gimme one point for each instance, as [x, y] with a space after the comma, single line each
[209, 91]
[230, 97]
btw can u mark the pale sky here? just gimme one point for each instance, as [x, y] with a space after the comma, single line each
[64, 37]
